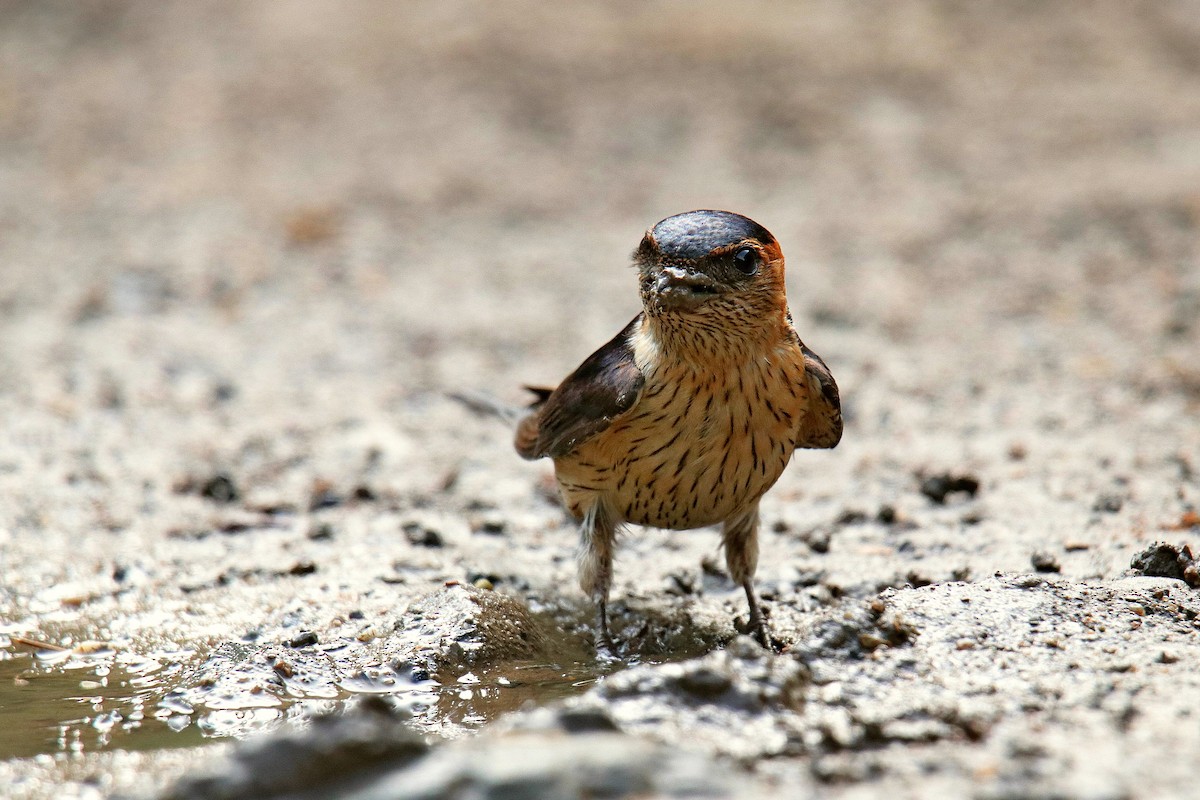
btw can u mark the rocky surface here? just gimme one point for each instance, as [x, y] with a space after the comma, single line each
[249, 251]
[367, 753]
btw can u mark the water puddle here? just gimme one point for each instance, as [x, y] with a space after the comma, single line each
[95, 696]
[57, 700]
[84, 698]
[479, 698]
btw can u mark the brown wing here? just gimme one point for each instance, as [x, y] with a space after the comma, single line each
[822, 425]
[604, 386]
[527, 426]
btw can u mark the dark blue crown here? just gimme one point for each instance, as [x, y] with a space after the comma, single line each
[697, 233]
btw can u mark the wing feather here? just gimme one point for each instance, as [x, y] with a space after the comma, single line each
[605, 386]
[822, 425]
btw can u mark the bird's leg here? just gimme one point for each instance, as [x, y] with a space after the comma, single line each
[739, 536]
[597, 539]
[603, 637]
[757, 624]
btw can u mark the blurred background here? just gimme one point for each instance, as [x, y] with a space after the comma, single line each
[227, 224]
[461, 183]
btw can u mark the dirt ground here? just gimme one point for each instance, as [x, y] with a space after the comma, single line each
[246, 250]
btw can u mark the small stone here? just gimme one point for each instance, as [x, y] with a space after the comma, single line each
[1189, 519]
[1163, 560]
[220, 488]
[489, 524]
[851, 516]
[1043, 561]
[1108, 503]
[917, 580]
[869, 641]
[818, 541]
[586, 720]
[422, 536]
[323, 495]
[321, 533]
[682, 584]
[311, 226]
[483, 580]
[223, 392]
[705, 682]
[303, 639]
[938, 487]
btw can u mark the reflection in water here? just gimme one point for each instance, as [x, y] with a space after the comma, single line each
[83, 698]
[67, 700]
[92, 696]
[478, 698]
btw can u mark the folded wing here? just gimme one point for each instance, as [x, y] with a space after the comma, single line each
[821, 427]
[605, 386]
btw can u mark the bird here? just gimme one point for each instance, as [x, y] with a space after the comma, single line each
[690, 414]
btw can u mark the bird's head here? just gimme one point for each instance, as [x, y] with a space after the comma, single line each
[711, 264]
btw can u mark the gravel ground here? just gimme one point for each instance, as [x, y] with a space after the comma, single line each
[248, 249]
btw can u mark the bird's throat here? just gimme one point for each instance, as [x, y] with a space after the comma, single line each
[707, 341]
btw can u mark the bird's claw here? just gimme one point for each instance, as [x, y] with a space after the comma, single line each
[756, 627]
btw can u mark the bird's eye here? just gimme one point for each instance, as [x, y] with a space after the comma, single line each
[746, 260]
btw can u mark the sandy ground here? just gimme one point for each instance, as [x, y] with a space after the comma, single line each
[247, 249]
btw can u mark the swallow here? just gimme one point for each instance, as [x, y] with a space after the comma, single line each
[689, 415]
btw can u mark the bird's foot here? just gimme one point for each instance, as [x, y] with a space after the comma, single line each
[607, 652]
[605, 647]
[756, 626]
[761, 633]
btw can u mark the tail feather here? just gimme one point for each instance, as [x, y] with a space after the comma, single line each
[543, 394]
[485, 405]
[525, 419]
